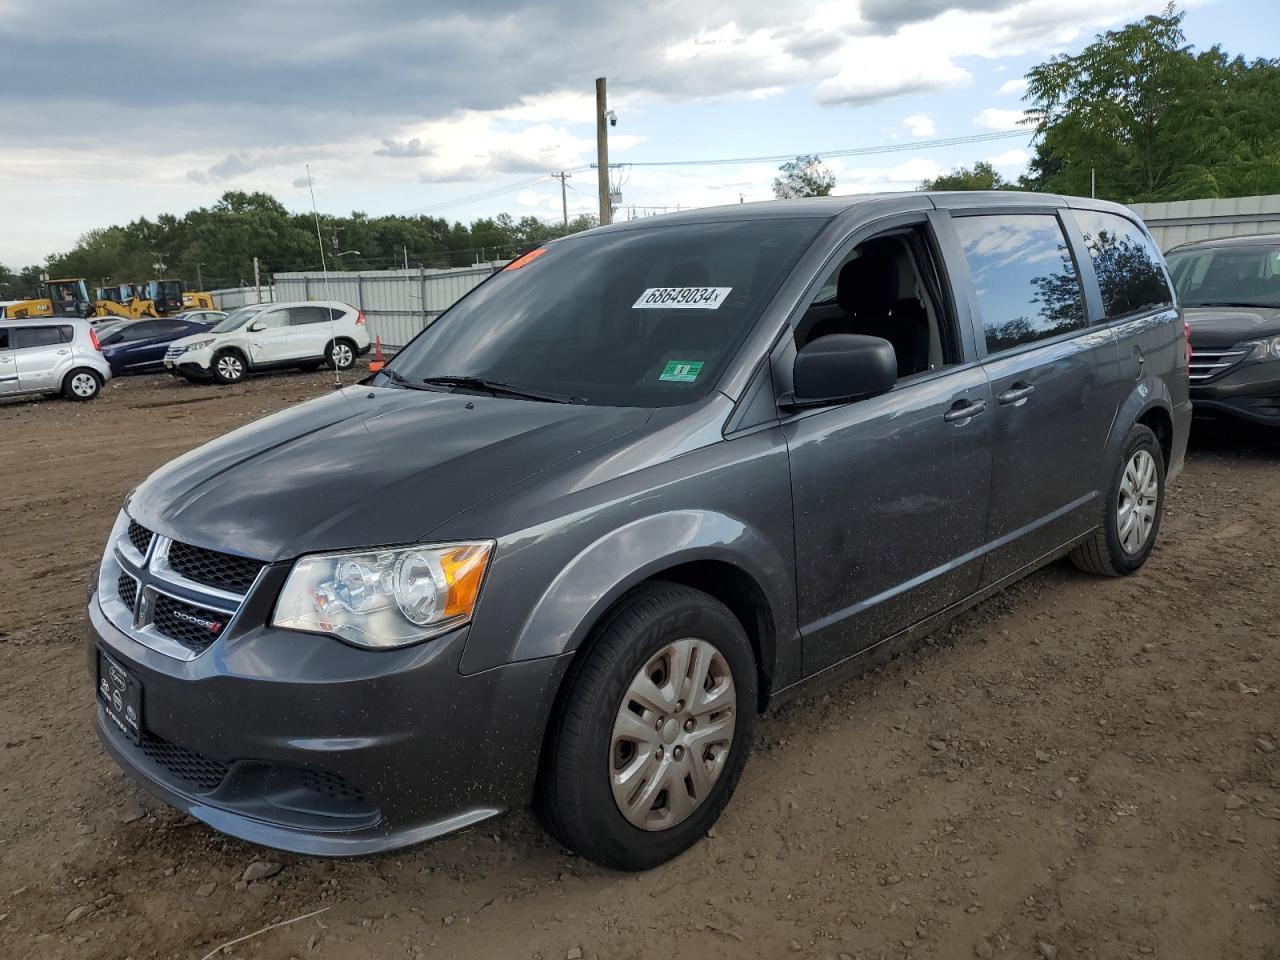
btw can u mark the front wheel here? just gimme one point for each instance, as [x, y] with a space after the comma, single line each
[1131, 518]
[654, 729]
[228, 367]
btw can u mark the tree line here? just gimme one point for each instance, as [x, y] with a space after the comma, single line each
[214, 247]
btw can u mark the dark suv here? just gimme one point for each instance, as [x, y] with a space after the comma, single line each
[1230, 294]
[623, 496]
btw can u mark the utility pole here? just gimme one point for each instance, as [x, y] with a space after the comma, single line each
[199, 277]
[602, 152]
[564, 198]
[405, 248]
[1093, 182]
[563, 177]
[257, 280]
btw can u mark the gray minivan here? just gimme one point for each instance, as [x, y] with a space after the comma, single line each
[623, 496]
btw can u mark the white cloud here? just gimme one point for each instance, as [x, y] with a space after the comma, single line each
[1010, 158]
[919, 125]
[1012, 88]
[994, 118]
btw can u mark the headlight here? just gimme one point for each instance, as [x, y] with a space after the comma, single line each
[384, 598]
[198, 345]
[1268, 349]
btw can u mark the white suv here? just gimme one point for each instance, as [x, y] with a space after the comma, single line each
[269, 336]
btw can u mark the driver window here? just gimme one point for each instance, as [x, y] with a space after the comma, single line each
[887, 287]
[273, 320]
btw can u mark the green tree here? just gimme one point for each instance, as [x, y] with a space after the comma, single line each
[1152, 120]
[805, 176]
[982, 176]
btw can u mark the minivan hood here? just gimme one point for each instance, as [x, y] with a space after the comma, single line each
[363, 467]
[1227, 326]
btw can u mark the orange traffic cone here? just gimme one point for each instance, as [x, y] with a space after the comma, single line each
[377, 362]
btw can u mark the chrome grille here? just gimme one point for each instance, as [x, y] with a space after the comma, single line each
[139, 536]
[194, 627]
[222, 570]
[128, 589]
[174, 597]
[1209, 363]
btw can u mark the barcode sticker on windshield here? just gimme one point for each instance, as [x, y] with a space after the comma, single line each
[682, 298]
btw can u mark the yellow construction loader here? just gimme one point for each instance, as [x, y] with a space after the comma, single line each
[60, 298]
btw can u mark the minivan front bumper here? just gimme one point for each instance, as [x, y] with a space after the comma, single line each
[302, 743]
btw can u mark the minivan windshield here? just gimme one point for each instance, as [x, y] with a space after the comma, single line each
[647, 316]
[238, 318]
[1245, 276]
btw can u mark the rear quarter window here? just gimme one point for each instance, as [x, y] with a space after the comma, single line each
[1129, 268]
[24, 337]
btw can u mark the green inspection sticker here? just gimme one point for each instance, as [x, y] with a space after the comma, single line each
[682, 371]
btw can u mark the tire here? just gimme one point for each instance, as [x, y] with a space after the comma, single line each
[228, 367]
[1118, 548]
[81, 385]
[601, 737]
[340, 355]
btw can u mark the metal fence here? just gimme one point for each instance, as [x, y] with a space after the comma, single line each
[230, 298]
[396, 303]
[1180, 221]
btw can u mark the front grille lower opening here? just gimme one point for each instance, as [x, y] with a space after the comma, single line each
[195, 770]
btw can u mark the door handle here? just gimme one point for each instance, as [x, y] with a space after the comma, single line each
[1017, 394]
[963, 410]
[63, 352]
[6, 359]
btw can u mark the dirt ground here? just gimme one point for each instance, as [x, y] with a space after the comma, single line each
[1078, 768]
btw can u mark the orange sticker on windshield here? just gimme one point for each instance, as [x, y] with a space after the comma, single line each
[528, 258]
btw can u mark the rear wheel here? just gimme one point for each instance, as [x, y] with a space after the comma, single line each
[654, 730]
[228, 367]
[1131, 518]
[81, 385]
[341, 355]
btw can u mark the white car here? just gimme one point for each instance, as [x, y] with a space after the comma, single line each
[270, 336]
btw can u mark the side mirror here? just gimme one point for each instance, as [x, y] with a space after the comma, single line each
[256, 328]
[842, 366]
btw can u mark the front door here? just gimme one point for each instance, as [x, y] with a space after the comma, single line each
[270, 338]
[1051, 375]
[889, 492]
[8, 366]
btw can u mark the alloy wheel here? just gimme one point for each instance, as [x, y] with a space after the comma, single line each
[342, 356]
[1139, 498]
[84, 385]
[672, 734]
[230, 367]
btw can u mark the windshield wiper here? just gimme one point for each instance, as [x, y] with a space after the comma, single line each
[399, 379]
[501, 387]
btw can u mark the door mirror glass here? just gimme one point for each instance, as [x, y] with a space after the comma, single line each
[842, 366]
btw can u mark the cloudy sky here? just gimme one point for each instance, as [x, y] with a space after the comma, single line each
[137, 107]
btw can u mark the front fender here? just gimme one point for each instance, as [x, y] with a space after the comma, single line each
[600, 574]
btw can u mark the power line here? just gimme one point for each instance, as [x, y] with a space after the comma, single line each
[488, 194]
[846, 152]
